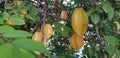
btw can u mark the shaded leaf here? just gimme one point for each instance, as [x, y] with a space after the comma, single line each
[28, 16]
[111, 40]
[111, 13]
[51, 47]
[106, 6]
[95, 18]
[110, 49]
[9, 6]
[90, 12]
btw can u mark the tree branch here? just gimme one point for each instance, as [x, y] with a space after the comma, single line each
[99, 40]
[44, 13]
[92, 1]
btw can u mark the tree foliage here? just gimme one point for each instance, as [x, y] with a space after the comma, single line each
[20, 19]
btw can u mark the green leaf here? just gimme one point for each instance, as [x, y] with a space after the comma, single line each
[111, 13]
[90, 12]
[111, 40]
[30, 45]
[33, 10]
[90, 52]
[29, 16]
[95, 18]
[6, 51]
[1, 41]
[17, 34]
[26, 54]
[6, 29]
[5, 16]
[28, 6]
[110, 49]
[97, 48]
[17, 20]
[9, 6]
[10, 51]
[57, 26]
[106, 6]
[1, 21]
[51, 47]
[118, 54]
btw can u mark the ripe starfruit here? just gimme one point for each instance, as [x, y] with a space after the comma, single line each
[37, 36]
[79, 21]
[48, 30]
[64, 15]
[19, 2]
[9, 22]
[76, 41]
[22, 11]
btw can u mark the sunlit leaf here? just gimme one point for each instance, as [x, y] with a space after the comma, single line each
[1, 41]
[26, 54]
[17, 20]
[10, 51]
[6, 51]
[6, 29]
[17, 34]
[30, 45]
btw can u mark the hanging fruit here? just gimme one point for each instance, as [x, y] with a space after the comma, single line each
[19, 2]
[22, 11]
[37, 36]
[48, 31]
[118, 25]
[76, 41]
[79, 21]
[9, 22]
[64, 15]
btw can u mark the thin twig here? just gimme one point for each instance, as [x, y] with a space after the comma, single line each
[99, 40]
[44, 13]
[55, 16]
[93, 2]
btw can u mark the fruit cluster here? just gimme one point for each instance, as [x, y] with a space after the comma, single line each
[79, 22]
